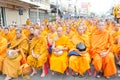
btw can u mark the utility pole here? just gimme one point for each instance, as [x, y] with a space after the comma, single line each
[76, 8]
[57, 7]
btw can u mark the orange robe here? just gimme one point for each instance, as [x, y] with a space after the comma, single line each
[60, 63]
[81, 63]
[3, 48]
[25, 32]
[11, 66]
[70, 34]
[12, 35]
[7, 37]
[102, 41]
[39, 47]
[116, 45]
[43, 33]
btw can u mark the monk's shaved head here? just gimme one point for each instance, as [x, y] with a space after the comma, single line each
[59, 31]
[81, 29]
[101, 25]
[59, 28]
[36, 33]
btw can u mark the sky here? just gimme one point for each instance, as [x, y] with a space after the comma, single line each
[96, 6]
[100, 6]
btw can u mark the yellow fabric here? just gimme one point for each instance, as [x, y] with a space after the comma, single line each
[12, 35]
[116, 45]
[28, 22]
[43, 33]
[39, 46]
[80, 63]
[51, 37]
[64, 27]
[77, 38]
[26, 32]
[45, 20]
[60, 63]
[20, 43]
[11, 66]
[70, 34]
[3, 48]
[102, 41]
[7, 37]
[116, 11]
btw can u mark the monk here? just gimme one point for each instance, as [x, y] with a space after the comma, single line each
[59, 63]
[42, 31]
[12, 33]
[103, 58]
[38, 53]
[6, 34]
[31, 34]
[116, 43]
[25, 30]
[28, 22]
[3, 48]
[116, 12]
[69, 32]
[80, 64]
[51, 35]
[11, 65]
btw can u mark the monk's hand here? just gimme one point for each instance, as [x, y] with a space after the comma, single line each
[57, 49]
[17, 50]
[37, 55]
[77, 51]
[33, 54]
[103, 54]
[118, 62]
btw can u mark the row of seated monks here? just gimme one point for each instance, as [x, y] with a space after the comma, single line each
[61, 46]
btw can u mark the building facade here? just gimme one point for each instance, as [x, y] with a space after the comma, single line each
[32, 9]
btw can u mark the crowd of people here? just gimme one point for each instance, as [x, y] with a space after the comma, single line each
[47, 46]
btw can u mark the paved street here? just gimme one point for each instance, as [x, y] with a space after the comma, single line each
[59, 76]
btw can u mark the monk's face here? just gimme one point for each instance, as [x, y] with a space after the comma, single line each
[11, 27]
[81, 30]
[6, 31]
[53, 28]
[18, 34]
[37, 33]
[59, 31]
[41, 28]
[101, 26]
[67, 29]
[32, 30]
